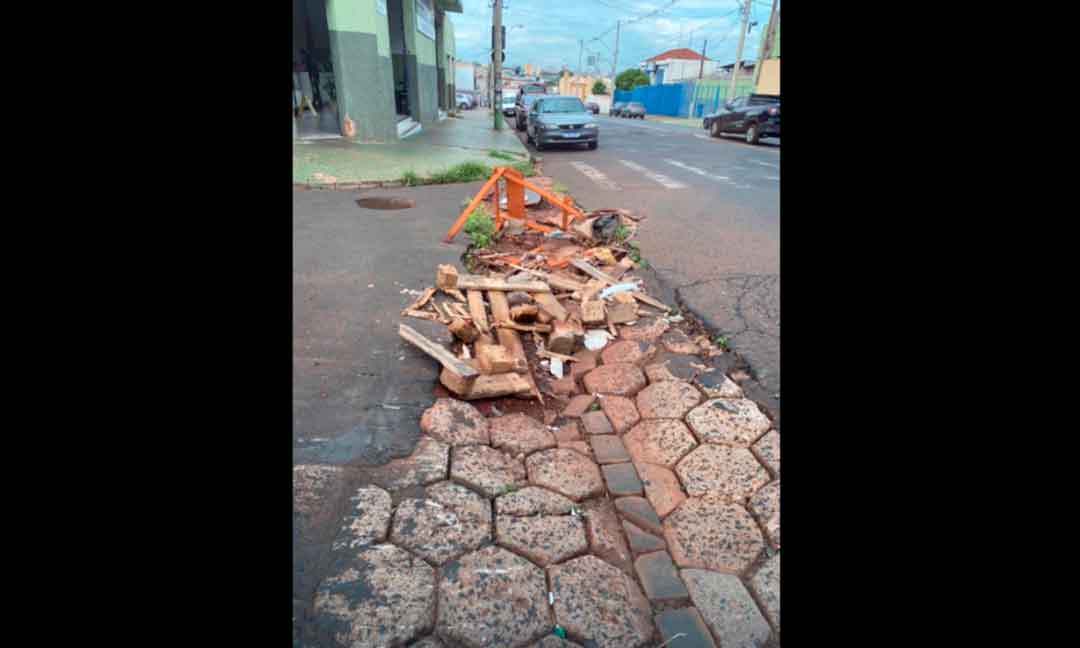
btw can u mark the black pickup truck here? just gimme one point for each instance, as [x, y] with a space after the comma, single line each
[755, 116]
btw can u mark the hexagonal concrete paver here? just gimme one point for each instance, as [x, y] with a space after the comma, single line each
[631, 351]
[765, 506]
[578, 405]
[716, 384]
[455, 422]
[765, 584]
[367, 521]
[492, 597]
[597, 603]
[533, 500]
[675, 341]
[486, 470]
[721, 470]
[709, 533]
[675, 367]
[659, 441]
[767, 450]
[662, 487]
[586, 362]
[542, 539]
[428, 642]
[647, 328]
[727, 608]
[319, 492]
[621, 379]
[380, 597]
[621, 412]
[428, 463]
[736, 422]
[668, 399]
[451, 521]
[565, 471]
[520, 433]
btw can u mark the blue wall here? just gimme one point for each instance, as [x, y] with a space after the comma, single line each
[689, 99]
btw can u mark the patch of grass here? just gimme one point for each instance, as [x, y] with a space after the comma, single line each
[480, 228]
[634, 252]
[410, 179]
[721, 342]
[622, 232]
[594, 407]
[502, 155]
[525, 167]
[464, 172]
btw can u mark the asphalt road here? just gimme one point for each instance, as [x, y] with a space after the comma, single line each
[713, 221]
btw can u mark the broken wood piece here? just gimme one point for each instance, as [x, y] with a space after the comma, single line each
[419, 314]
[561, 339]
[621, 313]
[462, 371]
[484, 339]
[551, 306]
[477, 282]
[603, 255]
[500, 312]
[655, 303]
[544, 318]
[464, 331]
[494, 359]
[592, 312]
[483, 386]
[446, 277]
[455, 293]
[419, 303]
[524, 313]
[624, 298]
[476, 309]
[460, 309]
[584, 266]
[539, 328]
[543, 353]
[620, 268]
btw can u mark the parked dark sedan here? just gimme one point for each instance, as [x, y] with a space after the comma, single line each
[755, 116]
[616, 108]
[632, 110]
[521, 112]
[561, 120]
[593, 107]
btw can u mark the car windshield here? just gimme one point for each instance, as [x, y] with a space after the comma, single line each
[637, 105]
[562, 105]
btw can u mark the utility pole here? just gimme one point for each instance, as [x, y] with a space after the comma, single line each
[738, 52]
[702, 68]
[615, 61]
[766, 44]
[581, 49]
[496, 100]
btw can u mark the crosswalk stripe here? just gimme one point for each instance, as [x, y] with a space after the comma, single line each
[704, 174]
[667, 182]
[596, 176]
[768, 164]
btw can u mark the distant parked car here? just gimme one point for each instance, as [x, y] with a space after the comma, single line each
[508, 105]
[755, 116]
[616, 108]
[521, 113]
[593, 107]
[561, 120]
[465, 101]
[632, 110]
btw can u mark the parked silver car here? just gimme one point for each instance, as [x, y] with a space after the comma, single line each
[561, 120]
[632, 110]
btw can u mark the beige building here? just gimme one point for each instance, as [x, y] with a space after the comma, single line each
[581, 86]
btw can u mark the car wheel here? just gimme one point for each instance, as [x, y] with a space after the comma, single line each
[714, 129]
[752, 136]
[593, 145]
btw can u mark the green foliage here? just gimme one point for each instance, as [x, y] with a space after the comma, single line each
[526, 168]
[599, 88]
[622, 232]
[480, 228]
[721, 342]
[630, 79]
[502, 155]
[410, 179]
[464, 172]
[634, 252]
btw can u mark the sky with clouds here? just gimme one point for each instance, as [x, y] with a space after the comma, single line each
[550, 31]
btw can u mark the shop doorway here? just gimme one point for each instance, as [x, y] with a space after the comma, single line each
[315, 108]
[406, 124]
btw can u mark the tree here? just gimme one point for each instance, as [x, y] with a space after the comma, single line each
[630, 79]
[599, 88]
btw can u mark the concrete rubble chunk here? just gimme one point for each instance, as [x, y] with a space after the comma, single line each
[659, 441]
[660, 578]
[732, 473]
[668, 399]
[620, 379]
[542, 539]
[565, 471]
[684, 625]
[455, 422]
[520, 434]
[486, 470]
[450, 522]
[736, 422]
[600, 606]
[621, 412]
[765, 506]
[765, 584]
[708, 533]
[381, 596]
[662, 488]
[727, 608]
[367, 521]
[492, 597]
[533, 500]
[767, 450]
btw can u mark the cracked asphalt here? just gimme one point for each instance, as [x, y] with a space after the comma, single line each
[712, 230]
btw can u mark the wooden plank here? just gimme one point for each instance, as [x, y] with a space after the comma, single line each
[446, 277]
[477, 282]
[464, 330]
[500, 306]
[622, 267]
[505, 384]
[419, 314]
[551, 354]
[551, 306]
[494, 359]
[437, 351]
[538, 328]
[419, 303]
[582, 265]
[456, 294]
[621, 313]
[476, 309]
[655, 303]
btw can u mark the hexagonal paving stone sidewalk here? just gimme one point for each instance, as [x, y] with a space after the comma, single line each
[455, 422]
[708, 533]
[659, 441]
[736, 422]
[565, 471]
[670, 399]
[727, 607]
[542, 539]
[597, 603]
[520, 433]
[486, 470]
[733, 473]
[450, 522]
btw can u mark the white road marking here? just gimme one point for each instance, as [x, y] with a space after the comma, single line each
[772, 177]
[596, 176]
[700, 172]
[704, 137]
[667, 182]
[768, 164]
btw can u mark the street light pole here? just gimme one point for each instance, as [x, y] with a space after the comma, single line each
[738, 52]
[496, 101]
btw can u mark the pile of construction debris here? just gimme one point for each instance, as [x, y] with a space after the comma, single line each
[564, 290]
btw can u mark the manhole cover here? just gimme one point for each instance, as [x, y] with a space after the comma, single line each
[386, 202]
